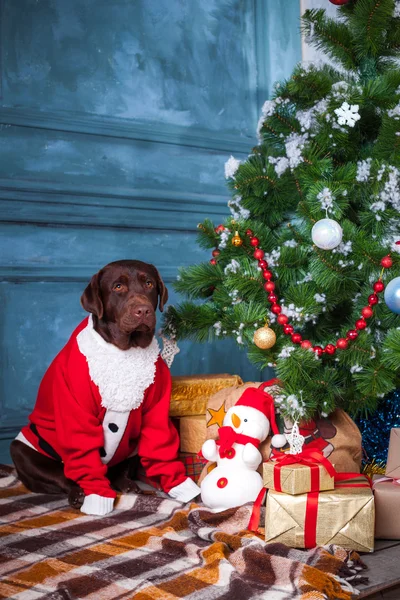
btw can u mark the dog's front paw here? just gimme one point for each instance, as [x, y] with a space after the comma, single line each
[97, 505]
[76, 497]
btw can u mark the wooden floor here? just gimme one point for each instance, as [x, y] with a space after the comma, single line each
[383, 572]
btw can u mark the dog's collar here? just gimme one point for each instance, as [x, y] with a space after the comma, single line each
[122, 376]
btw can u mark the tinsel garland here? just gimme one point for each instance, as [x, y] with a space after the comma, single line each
[376, 430]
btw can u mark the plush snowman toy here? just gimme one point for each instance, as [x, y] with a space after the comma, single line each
[235, 480]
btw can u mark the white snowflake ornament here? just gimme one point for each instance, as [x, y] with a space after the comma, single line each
[348, 114]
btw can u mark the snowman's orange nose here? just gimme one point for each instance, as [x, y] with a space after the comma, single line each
[235, 420]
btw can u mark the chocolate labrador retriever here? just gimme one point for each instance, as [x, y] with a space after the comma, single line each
[59, 450]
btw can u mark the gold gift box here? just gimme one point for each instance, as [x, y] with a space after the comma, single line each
[346, 517]
[296, 478]
[190, 394]
[193, 433]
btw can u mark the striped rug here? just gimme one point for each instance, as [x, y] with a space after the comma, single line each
[153, 548]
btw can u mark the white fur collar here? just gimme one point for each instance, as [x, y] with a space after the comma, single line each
[122, 376]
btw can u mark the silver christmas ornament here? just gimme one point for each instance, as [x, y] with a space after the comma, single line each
[392, 295]
[326, 234]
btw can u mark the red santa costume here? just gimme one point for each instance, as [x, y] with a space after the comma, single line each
[97, 405]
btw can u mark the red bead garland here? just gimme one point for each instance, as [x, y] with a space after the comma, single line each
[342, 344]
[367, 312]
[378, 286]
[330, 349]
[386, 262]
[282, 319]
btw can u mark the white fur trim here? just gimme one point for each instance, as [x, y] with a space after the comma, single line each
[21, 438]
[185, 491]
[114, 425]
[278, 440]
[122, 376]
[97, 505]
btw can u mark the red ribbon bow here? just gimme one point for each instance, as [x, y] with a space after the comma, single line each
[228, 436]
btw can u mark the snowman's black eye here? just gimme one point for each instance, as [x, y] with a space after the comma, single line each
[245, 420]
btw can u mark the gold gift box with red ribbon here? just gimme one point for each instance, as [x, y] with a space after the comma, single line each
[295, 474]
[344, 516]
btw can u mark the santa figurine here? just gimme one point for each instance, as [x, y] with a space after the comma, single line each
[235, 480]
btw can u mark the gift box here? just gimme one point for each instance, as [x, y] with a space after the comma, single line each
[306, 475]
[387, 507]
[190, 394]
[343, 516]
[393, 459]
[193, 433]
[193, 465]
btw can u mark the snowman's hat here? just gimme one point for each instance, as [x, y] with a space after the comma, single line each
[260, 400]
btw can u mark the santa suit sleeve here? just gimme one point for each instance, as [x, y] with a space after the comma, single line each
[80, 436]
[159, 441]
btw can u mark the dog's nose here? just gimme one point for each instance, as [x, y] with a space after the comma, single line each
[141, 311]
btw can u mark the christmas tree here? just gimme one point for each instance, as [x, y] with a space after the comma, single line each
[310, 246]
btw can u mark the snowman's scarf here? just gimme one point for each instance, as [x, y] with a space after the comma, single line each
[228, 436]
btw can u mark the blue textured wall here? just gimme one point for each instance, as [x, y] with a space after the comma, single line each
[116, 120]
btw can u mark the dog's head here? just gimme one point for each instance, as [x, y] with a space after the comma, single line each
[123, 298]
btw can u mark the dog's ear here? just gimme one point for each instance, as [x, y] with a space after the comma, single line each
[162, 291]
[91, 297]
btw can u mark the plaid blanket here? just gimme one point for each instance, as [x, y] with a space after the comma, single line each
[152, 548]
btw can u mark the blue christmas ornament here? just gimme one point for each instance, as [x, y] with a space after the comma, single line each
[375, 431]
[392, 295]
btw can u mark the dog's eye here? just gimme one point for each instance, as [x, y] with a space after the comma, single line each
[117, 287]
[149, 283]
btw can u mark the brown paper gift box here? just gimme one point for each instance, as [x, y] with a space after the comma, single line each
[192, 431]
[393, 459]
[190, 394]
[345, 517]
[296, 479]
[387, 508]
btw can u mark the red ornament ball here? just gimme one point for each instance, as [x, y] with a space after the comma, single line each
[216, 252]
[267, 275]
[378, 286]
[263, 264]
[249, 232]
[219, 229]
[342, 344]
[254, 241]
[339, 2]
[296, 338]
[373, 299]
[306, 344]
[272, 298]
[367, 312]
[318, 350]
[282, 319]
[330, 349]
[213, 261]
[258, 254]
[352, 334]
[361, 324]
[276, 309]
[386, 262]
[269, 286]
[288, 329]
